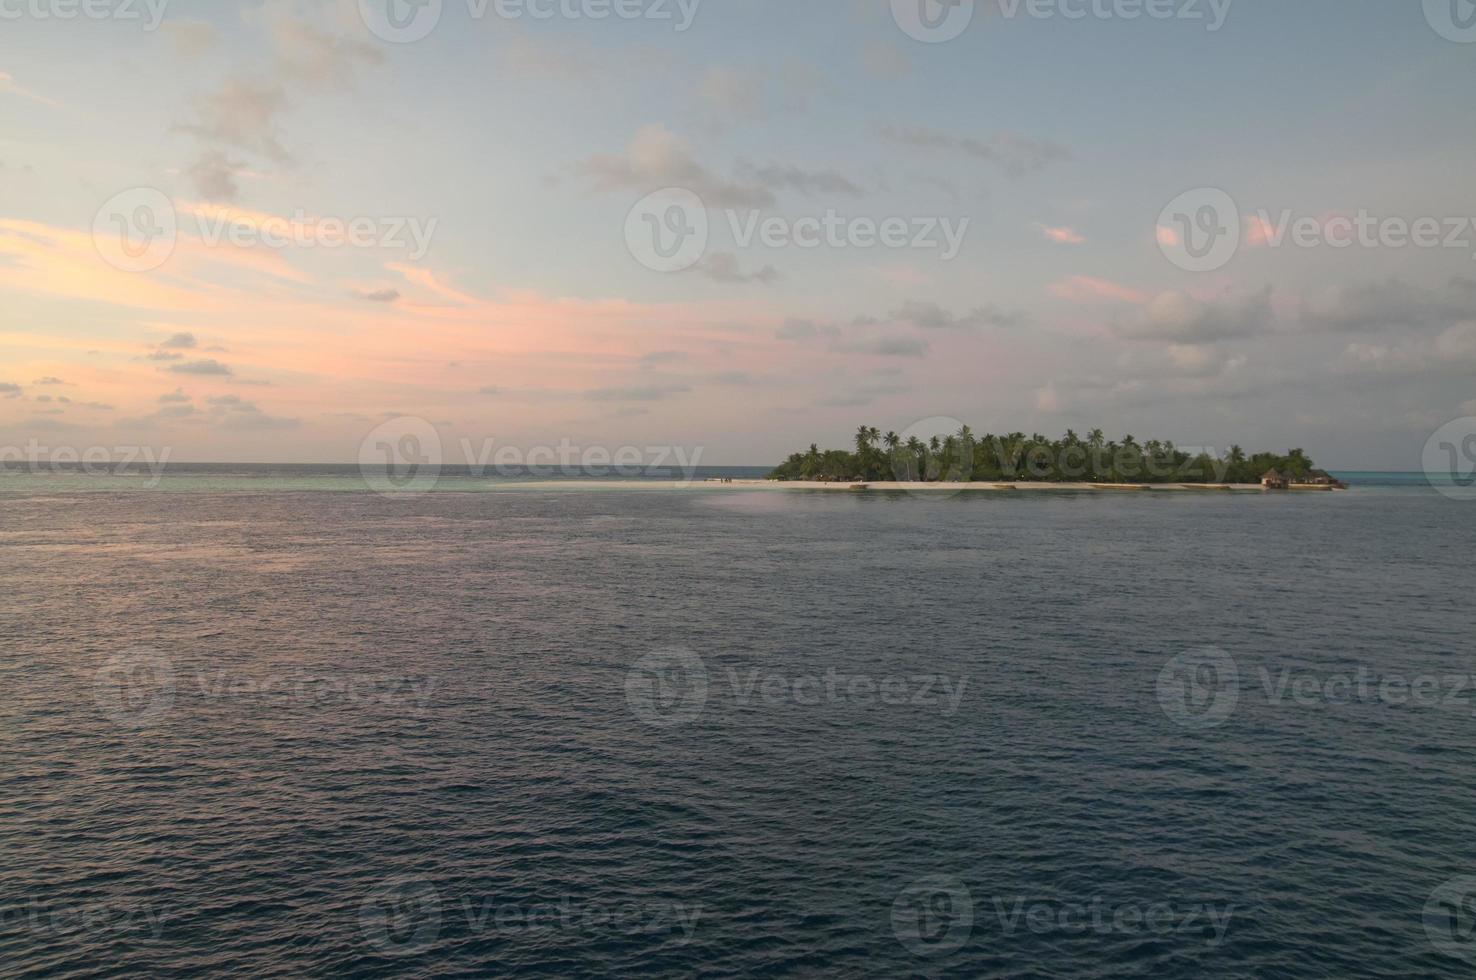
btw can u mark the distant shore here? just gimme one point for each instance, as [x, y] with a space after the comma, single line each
[716, 483]
[1005, 487]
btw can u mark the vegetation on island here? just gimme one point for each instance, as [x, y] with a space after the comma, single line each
[965, 456]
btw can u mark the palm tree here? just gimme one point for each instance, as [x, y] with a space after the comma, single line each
[915, 451]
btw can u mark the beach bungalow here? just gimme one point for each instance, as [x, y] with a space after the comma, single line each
[1273, 480]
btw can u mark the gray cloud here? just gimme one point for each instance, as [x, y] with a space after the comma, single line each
[648, 393]
[180, 341]
[214, 175]
[1179, 317]
[9, 390]
[659, 357]
[206, 367]
[808, 182]
[1016, 156]
[794, 329]
[931, 316]
[883, 346]
[378, 295]
[723, 267]
[1391, 303]
[655, 159]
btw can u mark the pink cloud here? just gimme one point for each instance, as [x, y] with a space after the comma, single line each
[1061, 236]
[1085, 289]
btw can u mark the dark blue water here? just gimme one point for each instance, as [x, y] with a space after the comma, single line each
[736, 733]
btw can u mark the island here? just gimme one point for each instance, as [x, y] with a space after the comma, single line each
[1017, 461]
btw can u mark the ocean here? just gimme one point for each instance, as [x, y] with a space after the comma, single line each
[261, 721]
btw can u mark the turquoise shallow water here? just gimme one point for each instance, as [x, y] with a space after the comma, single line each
[572, 734]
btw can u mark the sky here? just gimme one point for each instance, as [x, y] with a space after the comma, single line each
[260, 231]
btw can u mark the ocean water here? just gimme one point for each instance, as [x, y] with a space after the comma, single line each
[257, 728]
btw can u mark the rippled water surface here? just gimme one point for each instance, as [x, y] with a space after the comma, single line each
[736, 733]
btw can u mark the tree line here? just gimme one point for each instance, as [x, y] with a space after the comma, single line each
[964, 456]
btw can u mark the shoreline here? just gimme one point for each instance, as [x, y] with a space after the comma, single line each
[1021, 487]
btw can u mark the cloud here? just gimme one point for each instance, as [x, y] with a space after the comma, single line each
[316, 57]
[1453, 351]
[1085, 289]
[659, 357]
[931, 316]
[233, 412]
[9, 389]
[163, 355]
[191, 38]
[859, 396]
[883, 346]
[723, 267]
[1391, 303]
[214, 175]
[730, 95]
[655, 159]
[378, 295]
[810, 183]
[794, 329]
[1016, 156]
[1061, 236]
[7, 84]
[885, 61]
[205, 367]
[180, 341]
[177, 395]
[733, 378]
[1181, 318]
[48, 380]
[242, 114]
[491, 390]
[648, 393]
